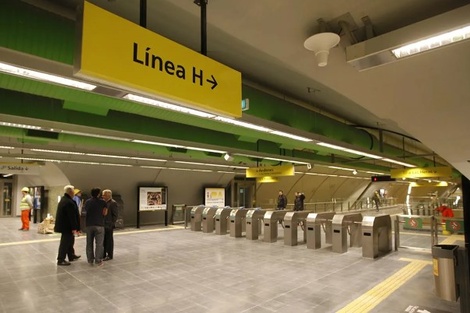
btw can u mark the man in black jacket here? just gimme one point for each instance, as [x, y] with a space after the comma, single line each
[95, 208]
[67, 224]
[109, 221]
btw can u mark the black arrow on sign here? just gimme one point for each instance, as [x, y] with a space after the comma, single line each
[213, 82]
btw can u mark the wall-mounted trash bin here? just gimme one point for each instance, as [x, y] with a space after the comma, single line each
[444, 259]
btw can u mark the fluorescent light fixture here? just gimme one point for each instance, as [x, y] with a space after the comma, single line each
[341, 168]
[18, 71]
[375, 173]
[95, 135]
[179, 169]
[7, 147]
[114, 164]
[433, 42]
[7, 175]
[19, 125]
[155, 143]
[107, 156]
[205, 150]
[226, 172]
[58, 151]
[412, 39]
[167, 106]
[242, 124]
[324, 144]
[398, 162]
[148, 159]
[284, 134]
[81, 162]
[38, 159]
[153, 167]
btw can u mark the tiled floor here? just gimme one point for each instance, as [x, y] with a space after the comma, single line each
[177, 270]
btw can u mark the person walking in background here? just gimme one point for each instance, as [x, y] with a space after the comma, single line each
[26, 205]
[376, 199]
[299, 201]
[95, 208]
[281, 201]
[67, 224]
[109, 220]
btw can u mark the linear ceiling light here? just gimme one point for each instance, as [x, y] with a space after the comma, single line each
[58, 151]
[168, 106]
[433, 42]
[19, 125]
[18, 71]
[364, 154]
[95, 135]
[242, 124]
[284, 134]
[398, 162]
[410, 40]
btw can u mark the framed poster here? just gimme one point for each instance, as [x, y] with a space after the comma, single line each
[152, 198]
[214, 197]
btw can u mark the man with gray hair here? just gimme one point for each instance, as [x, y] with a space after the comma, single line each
[67, 224]
[109, 221]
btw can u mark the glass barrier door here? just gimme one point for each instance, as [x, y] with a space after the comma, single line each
[6, 199]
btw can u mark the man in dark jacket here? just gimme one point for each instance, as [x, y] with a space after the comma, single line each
[95, 208]
[109, 221]
[67, 224]
[281, 201]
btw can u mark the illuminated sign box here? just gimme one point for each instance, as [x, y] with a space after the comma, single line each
[117, 52]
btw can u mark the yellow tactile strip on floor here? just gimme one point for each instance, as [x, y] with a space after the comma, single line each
[452, 239]
[118, 233]
[374, 296]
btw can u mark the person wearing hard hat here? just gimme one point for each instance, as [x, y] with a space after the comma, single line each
[26, 205]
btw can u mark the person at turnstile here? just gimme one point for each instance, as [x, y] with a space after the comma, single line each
[376, 199]
[281, 201]
[445, 211]
[299, 201]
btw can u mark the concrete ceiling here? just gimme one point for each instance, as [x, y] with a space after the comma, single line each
[425, 97]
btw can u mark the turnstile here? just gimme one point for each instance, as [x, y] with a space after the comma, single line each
[315, 223]
[252, 220]
[196, 217]
[342, 224]
[208, 224]
[270, 221]
[237, 222]
[376, 235]
[221, 220]
[291, 221]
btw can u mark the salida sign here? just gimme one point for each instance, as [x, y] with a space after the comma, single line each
[117, 52]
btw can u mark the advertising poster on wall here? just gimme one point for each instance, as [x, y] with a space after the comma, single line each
[152, 198]
[214, 197]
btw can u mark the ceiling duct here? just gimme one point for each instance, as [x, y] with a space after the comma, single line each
[378, 50]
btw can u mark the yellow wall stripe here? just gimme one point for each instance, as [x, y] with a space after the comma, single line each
[374, 296]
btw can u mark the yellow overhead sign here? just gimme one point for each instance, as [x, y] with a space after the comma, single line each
[282, 170]
[118, 52]
[267, 179]
[426, 172]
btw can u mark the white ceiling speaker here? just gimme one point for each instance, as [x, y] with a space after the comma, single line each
[321, 44]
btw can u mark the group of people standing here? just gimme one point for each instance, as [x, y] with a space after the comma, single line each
[101, 215]
[298, 201]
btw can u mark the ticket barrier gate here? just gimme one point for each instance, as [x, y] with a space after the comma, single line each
[237, 222]
[221, 220]
[315, 223]
[376, 235]
[208, 223]
[342, 224]
[291, 221]
[196, 217]
[270, 220]
[253, 220]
